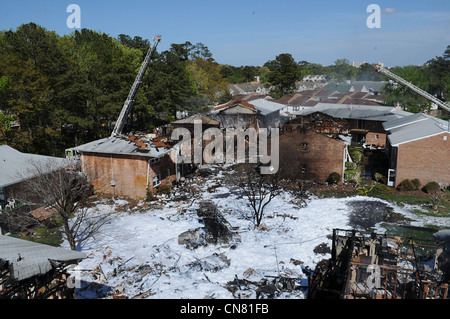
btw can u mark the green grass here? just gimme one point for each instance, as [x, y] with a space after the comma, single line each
[389, 194]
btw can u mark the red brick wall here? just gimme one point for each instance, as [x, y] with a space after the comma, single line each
[323, 155]
[426, 159]
[377, 139]
[128, 172]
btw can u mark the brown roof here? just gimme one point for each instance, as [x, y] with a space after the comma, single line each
[234, 102]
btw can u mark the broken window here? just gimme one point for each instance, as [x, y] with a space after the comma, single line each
[303, 168]
[304, 146]
[156, 180]
[154, 160]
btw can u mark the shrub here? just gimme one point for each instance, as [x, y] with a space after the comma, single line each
[356, 155]
[352, 175]
[406, 185]
[164, 188]
[334, 178]
[377, 177]
[431, 187]
[416, 183]
[351, 165]
[150, 197]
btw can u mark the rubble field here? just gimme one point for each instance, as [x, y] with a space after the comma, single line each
[201, 242]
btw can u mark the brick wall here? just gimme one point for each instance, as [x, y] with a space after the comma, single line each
[427, 159]
[376, 134]
[310, 156]
[128, 172]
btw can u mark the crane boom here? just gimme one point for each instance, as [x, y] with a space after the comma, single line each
[423, 93]
[129, 102]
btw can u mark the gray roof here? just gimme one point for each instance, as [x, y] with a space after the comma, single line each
[266, 107]
[374, 85]
[407, 120]
[197, 117]
[28, 259]
[122, 146]
[356, 111]
[16, 166]
[414, 127]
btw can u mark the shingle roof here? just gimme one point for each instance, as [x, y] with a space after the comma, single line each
[28, 259]
[141, 146]
[224, 106]
[414, 127]
[197, 117]
[16, 166]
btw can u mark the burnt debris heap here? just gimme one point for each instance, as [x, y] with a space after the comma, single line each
[374, 266]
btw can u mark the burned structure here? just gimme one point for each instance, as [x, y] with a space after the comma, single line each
[30, 270]
[380, 266]
[126, 165]
[311, 147]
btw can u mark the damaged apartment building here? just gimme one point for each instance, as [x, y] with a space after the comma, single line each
[126, 165]
[315, 142]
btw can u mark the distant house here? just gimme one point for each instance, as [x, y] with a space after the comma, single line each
[372, 87]
[262, 112]
[190, 121]
[126, 166]
[248, 88]
[419, 147]
[314, 78]
[235, 113]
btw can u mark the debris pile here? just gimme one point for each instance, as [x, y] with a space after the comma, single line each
[372, 266]
[216, 230]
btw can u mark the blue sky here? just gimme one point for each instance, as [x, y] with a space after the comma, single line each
[249, 32]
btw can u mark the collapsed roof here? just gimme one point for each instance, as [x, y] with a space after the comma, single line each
[27, 259]
[131, 145]
[356, 111]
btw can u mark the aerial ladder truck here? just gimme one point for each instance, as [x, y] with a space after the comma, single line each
[129, 102]
[419, 91]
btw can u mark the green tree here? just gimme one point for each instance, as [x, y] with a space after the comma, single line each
[438, 71]
[405, 97]
[167, 86]
[208, 80]
[343, 70]
[284, 72]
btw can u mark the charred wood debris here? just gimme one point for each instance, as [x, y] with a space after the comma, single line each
[365, 265]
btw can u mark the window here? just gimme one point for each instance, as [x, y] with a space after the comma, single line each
[361, 124]
[376, 136]
[168, 173]
[304, 146]
[156, 180]
[303, 168]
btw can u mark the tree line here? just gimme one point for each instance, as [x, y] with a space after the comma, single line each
[61, 91]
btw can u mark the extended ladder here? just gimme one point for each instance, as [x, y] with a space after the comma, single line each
[412, 87]
[129, 102]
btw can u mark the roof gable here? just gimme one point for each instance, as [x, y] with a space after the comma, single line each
[415, 127]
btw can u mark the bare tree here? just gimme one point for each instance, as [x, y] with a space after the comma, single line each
[258, 188]
[64, 191]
